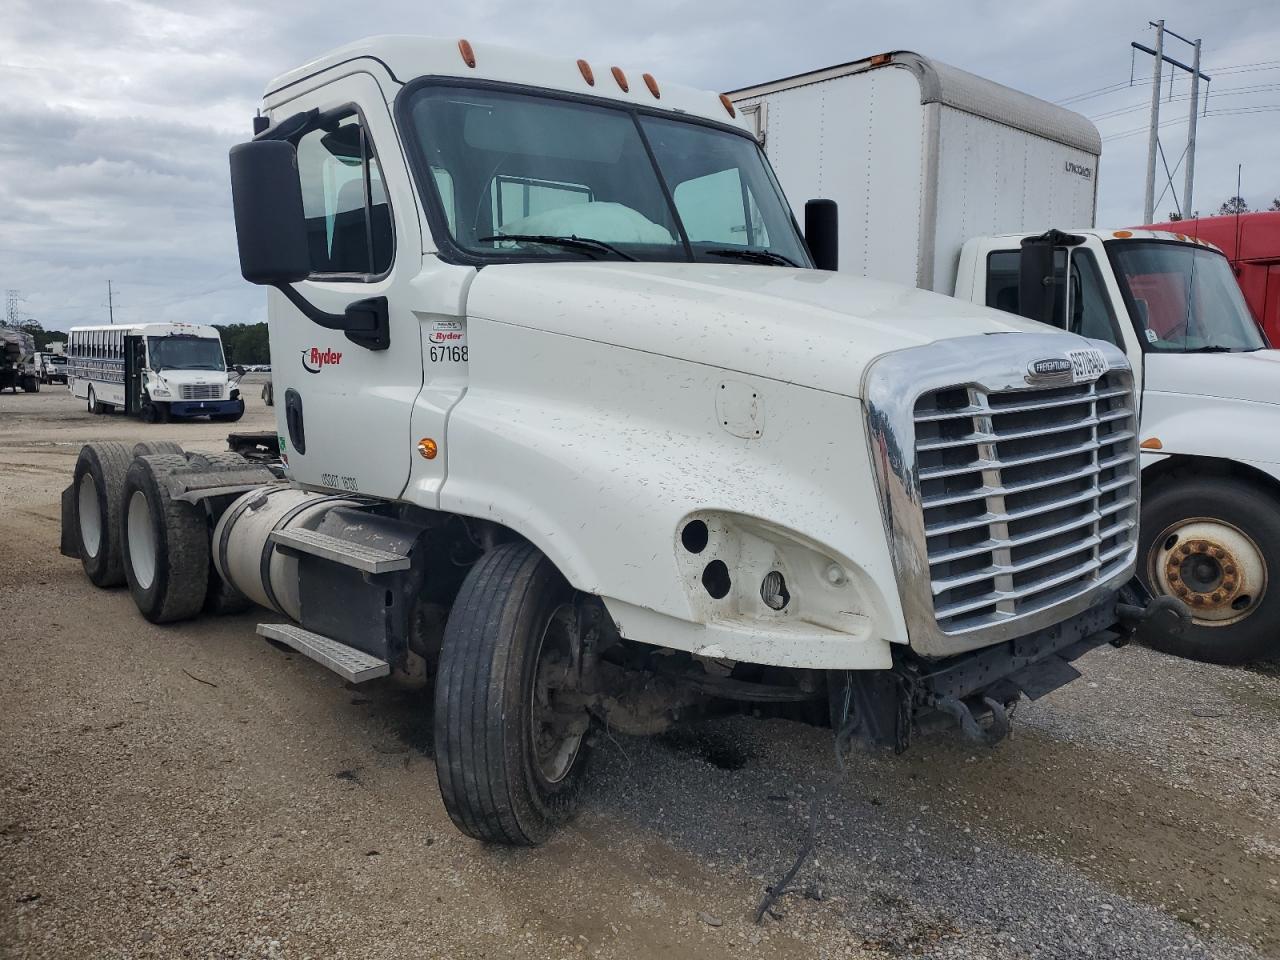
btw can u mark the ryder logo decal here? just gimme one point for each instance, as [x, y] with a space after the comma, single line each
[447, 331]
[314, 359]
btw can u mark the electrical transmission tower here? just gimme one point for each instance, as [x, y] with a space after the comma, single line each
[1154, 148]
[11, 300]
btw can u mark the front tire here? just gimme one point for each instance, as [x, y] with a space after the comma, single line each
[1214, 543]
[510, 760]
[165, 545]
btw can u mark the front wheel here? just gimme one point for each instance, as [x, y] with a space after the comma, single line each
[510, 741]
[1214, 543]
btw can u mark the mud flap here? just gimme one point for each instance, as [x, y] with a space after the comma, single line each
[70, 543]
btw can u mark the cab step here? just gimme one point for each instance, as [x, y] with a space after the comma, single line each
[357, 555]
[356, 665]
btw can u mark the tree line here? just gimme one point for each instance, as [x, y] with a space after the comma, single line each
[245, 343]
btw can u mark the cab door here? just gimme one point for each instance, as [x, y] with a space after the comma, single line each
[344, 408]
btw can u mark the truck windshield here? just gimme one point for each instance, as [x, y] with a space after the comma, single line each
[515, 174]
[1184, 298]
[185, 353]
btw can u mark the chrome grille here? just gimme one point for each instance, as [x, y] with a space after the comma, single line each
[200, 391]
[1029, 496]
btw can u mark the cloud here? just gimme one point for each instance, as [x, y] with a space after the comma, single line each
[117, 116]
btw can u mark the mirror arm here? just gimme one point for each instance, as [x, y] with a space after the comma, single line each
[365, 322]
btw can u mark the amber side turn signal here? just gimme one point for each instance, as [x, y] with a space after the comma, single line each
[1151, 443]
[427, 447]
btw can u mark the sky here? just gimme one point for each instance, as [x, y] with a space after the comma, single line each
[116, 115]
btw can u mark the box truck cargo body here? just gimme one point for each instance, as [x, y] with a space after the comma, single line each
[921, 156]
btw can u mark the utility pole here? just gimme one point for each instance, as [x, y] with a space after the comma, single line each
[111, 312]
[1189, 180]
[1153, 140]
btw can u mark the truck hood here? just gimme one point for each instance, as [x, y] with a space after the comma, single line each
[809, 327]
[1228, 376]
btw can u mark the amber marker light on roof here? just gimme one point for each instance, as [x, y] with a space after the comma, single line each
[1123, 234]
[427, 447]
[728, 104]
[620, 77]
[1151, 443]
[468, 55]
[652, 84]
[585, 69]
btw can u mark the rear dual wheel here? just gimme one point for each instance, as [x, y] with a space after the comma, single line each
[165, 542]
[99, 484]
[510, 739]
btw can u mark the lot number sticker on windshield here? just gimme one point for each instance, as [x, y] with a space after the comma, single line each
[1087, 364]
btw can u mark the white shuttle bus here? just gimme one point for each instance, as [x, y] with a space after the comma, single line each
[155, 370]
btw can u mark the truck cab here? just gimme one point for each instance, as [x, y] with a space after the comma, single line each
[1210, 403]
[573, 429]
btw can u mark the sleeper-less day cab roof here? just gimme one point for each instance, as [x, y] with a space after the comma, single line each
[405, 58]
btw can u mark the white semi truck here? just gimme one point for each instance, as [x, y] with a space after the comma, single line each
[953, 183]
[569, 424]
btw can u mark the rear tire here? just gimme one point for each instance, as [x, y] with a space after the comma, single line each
[99, 482]
[165, 545]
[147, 448]
[1186, 519]
[498, 782]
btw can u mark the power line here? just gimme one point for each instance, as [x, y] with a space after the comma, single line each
[1259, 66]
[1229, 92]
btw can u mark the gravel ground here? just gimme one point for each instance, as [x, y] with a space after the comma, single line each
[194, 792]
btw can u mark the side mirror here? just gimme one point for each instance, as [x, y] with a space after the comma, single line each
[822, 233]
[266, 197]
[1035, 280]
[239, 368]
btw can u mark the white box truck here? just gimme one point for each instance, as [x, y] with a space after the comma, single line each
[959, 185]
[569, 425]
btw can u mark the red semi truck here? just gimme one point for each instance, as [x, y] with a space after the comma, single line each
[1251, 242]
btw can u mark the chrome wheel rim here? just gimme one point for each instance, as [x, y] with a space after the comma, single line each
[142, 541]
[90, 513]
[1212, 566]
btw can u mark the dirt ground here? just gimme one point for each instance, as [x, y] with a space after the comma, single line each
[191, 791]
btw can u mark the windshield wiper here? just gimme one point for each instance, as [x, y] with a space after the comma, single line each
[755, 256]
[1213, 349]
[576, 243]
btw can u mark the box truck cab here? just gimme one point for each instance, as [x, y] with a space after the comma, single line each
[157, 371]
[573, 427]
[952, 183]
